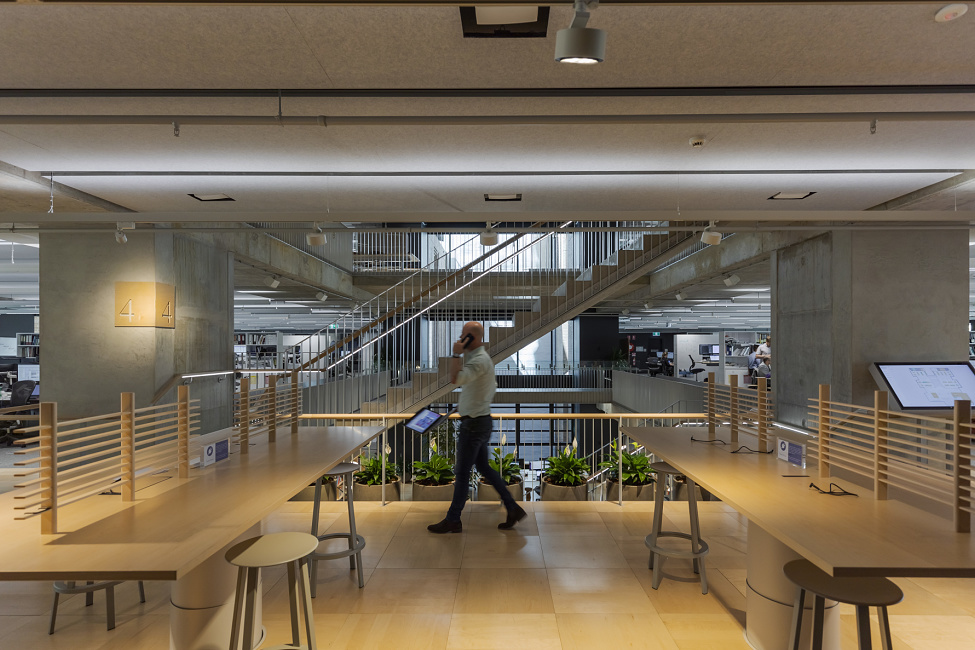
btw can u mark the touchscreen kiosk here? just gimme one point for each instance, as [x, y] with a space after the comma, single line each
[424, 420]
[926, 386]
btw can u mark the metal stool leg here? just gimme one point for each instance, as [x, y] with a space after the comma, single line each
[309, 615]
[293, 598]
[356, 559]
[142, 592]
[110, 606]
[658, 519]
[797, 618]
[238, 604]
[698, 563]
[54, 612]
[315, 512]
[884, 628]
[90, 596]
[250, 606]
[863, 627]
[819, 616]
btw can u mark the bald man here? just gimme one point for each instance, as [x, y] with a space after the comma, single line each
[471, 367]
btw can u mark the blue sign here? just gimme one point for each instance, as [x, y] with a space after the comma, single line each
[222, 449]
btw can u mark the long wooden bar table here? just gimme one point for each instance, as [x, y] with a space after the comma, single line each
[176, 529]
[843, 535]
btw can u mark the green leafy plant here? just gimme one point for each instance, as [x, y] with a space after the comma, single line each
[506, 466]
[436, 471]
[636, 467]
[371, 471]
[567, 469]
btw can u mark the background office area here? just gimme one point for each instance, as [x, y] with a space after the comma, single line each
[194, 197]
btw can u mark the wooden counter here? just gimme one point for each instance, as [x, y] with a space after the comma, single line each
[843, 535]
[175, 525]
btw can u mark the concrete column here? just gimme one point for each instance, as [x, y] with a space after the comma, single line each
[86, 361]
[846, 299]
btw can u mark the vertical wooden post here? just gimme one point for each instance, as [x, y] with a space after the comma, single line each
[619, 459]
[763, 415]
[245, 414]
[295, 399]
[879, 445]
[962, 476]
[271, 395]
[183, 431]
[127, 457]
[385, 446]
[823, 430]
[711, 415]
[733, 381]
[48, 463]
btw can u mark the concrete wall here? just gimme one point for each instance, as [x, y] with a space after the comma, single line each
[87, 361]
[646, 394]
[844, 300]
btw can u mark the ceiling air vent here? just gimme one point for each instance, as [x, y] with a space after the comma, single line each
[211, 197]
[504, 22]
[790, 196]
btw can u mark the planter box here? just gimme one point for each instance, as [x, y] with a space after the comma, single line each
[433, 492]
[630, 492]
[680, 492]
[329, 493]
[363, 492]
[486, 492]
[552, 492]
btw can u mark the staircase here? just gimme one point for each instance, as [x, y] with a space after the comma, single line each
[578, 292]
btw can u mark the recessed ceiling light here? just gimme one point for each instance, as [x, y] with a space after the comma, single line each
[790, 196]
[502, 197]
[211, 197]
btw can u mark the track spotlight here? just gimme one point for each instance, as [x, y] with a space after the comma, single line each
[648, 304]
[679, 296]
[625, 312]
[322, 296]
[272, 281]
[489, 237]
[578, 43]
[710, 237]
[316, 237]
[120, 237]
[731, 280]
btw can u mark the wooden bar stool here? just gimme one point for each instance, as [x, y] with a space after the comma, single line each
[88, 589]
[698, 549]
[250, 556]
[861, 592]
[356, 541]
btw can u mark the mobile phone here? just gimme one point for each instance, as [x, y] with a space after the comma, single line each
[467, 340]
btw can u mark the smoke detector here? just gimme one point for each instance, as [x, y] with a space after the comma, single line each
[697, 141]
[950, 12]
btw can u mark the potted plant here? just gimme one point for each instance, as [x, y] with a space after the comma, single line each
[638, 478]
[433, 479]
[565, 477]
[507, 466]
[329, 491]
[369, 478]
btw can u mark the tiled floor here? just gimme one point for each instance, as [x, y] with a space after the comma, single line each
[571, 575]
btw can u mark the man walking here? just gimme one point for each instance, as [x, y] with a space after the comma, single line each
[471, 367]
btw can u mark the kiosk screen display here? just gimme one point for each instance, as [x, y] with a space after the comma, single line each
[928, 385]
[424, 420]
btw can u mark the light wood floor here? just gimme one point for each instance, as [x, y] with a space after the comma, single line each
[571, 575]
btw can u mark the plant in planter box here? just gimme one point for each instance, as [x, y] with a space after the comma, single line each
[565, 477]
[638, 477]
[369, 479]
[329, 491]
[433, 479]
[510, 470]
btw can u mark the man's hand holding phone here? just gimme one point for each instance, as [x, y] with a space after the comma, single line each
[460, 345]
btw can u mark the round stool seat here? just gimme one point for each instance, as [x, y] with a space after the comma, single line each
[271, 550]
[869, 592]
[664, 468]
[342, 468]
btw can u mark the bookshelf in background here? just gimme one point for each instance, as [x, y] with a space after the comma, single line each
[29, 346]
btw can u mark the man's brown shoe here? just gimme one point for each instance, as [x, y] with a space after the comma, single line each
[515, 515]
[446, 527]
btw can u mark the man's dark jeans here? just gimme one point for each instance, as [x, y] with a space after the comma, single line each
[472, 451]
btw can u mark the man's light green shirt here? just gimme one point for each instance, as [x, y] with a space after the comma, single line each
[476, 378]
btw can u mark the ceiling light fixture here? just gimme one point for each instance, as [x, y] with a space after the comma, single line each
[679, 295]
[950, 12]
[578, 43]
[625, 312]
[272, 282]
[710, 237]
[648, 304]
[731, 280]
[316, 237]
[120, 237]
[322, 296]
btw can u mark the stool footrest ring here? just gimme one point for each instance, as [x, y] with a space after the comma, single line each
[669, 552]
[360, 543]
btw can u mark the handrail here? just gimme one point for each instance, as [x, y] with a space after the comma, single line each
[513, 416]
[366, 328]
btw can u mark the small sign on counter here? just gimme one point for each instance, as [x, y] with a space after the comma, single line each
[215, 451]
[792, 452]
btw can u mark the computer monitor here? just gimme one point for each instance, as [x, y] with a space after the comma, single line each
[926, 386]
[28, 371]
[660, 355]
[704, 349]
[716, 349]
[670, 355]
[37, 391]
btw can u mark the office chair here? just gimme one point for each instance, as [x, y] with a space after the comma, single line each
[694, 370]
[19, 394]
